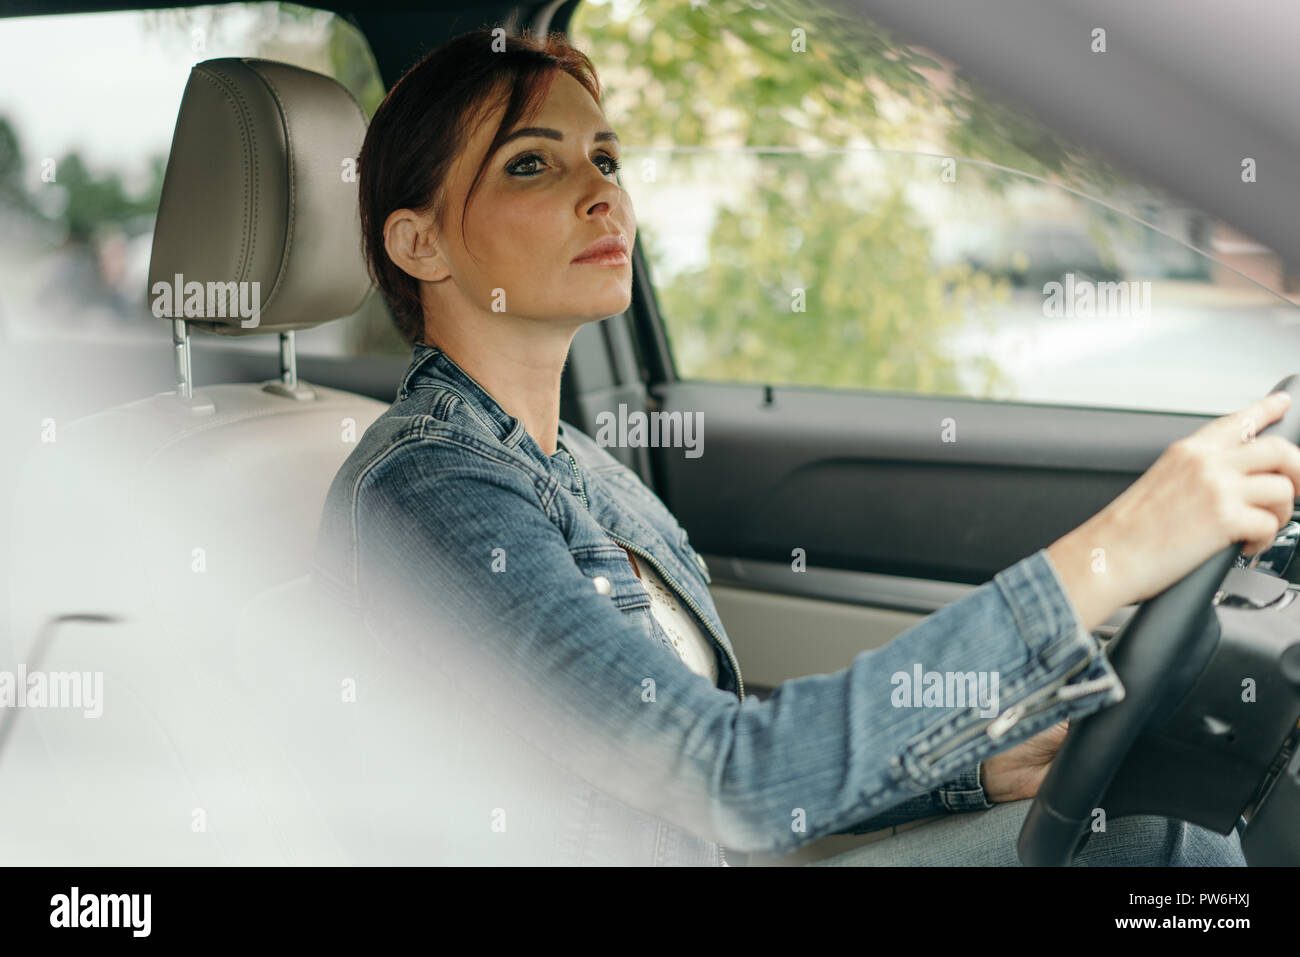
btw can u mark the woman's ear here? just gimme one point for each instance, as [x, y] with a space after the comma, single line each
[411, 240]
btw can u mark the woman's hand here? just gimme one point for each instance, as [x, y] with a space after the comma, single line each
[1219, 485]
[1017, 773]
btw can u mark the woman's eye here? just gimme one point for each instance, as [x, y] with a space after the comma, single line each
[526, 158]
[514, 168]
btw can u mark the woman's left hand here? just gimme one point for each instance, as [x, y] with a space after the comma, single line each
[1016, 774]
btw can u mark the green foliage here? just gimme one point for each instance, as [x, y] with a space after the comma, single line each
[871, 309]
[13, 194]
[91, 202]
[354, 67]
[95, 202]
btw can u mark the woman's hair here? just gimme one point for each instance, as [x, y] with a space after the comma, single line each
[426, 120]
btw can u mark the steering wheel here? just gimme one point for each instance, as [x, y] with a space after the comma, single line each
[1158, 655]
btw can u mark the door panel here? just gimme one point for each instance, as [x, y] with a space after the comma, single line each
[778, 637]
[781, 631]
[940, 488]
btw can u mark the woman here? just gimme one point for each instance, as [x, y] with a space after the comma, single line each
[520, 559]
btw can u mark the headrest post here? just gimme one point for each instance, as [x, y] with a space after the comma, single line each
[181, 349]
[288, 385]
[288, 360]
[184, 394]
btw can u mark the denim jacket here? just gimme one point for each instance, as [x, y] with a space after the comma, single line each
[451, 534]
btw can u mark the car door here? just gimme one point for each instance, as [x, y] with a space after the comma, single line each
[838, 502]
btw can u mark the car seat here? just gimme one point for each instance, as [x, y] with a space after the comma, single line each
[170, 512]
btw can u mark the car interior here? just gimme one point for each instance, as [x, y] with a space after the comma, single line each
[217, 457]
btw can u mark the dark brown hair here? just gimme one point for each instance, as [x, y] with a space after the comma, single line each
[423, 124]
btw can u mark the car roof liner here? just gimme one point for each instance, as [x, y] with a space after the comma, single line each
[1184, 92]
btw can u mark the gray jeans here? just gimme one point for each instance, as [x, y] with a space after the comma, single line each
[988, 839]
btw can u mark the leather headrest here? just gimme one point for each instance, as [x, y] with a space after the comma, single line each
[260, 189]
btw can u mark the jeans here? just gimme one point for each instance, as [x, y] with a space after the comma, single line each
[988, 839]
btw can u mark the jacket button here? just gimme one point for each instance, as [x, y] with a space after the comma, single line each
[602, 584]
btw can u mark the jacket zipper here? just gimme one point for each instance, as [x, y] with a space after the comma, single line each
[681, 593]
[1046, 697]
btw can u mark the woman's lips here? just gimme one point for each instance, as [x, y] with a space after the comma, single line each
[616, 258]
[609, 250]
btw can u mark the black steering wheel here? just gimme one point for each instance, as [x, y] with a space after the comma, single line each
[1158, 655]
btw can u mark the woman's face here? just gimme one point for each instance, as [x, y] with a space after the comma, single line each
[543, 199]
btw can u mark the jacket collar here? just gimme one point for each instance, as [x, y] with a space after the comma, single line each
[431, 364]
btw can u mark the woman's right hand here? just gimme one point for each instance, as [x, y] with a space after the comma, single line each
[1219, 485]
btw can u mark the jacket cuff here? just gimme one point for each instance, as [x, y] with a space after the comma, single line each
[1064, 673]
[1050, 626]
[965, 792]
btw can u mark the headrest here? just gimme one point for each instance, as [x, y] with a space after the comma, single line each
[259, 214]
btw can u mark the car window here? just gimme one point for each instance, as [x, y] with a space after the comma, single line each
[823, 205]
[82, 164]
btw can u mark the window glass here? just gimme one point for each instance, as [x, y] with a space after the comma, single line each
[82, 162]
[823, 205]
